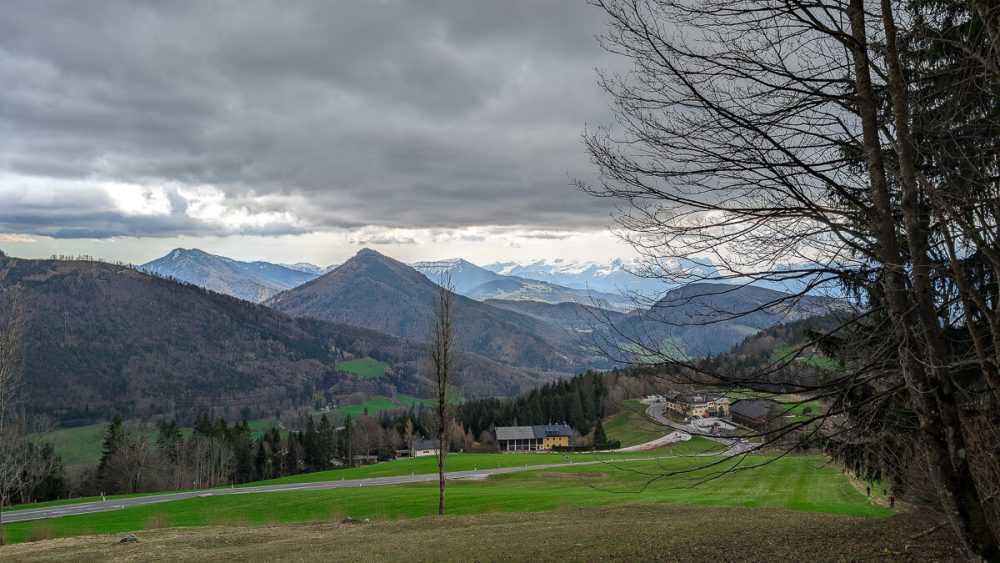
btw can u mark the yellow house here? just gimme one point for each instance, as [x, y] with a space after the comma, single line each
[700, 405]
[541, 437]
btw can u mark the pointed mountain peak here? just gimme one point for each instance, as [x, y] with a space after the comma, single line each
[368, 253]
[368, 260]
[182, 252]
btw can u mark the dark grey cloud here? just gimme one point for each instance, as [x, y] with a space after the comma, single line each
[318, 115]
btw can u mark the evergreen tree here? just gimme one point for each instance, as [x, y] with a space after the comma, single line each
[309, 456]
[576, 419]
[243, 459]
[112, 438]
[600, 437]
[324, 443]
[203, 426]
[169, 441]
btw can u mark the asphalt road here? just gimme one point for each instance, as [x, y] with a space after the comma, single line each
[121, 504]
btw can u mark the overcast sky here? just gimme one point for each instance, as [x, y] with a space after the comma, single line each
[292, 131]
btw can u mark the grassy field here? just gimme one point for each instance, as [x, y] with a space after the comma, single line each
[631, 532]
[471, 461]
[783, 353]
[82, 445]
[365, 368]
[379, 404]
[631, 426]
[428, 464]
[796, 483]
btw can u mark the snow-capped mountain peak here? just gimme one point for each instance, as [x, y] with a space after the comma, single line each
[614, 276]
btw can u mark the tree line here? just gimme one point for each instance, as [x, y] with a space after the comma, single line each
[578, 402]
[215, 452]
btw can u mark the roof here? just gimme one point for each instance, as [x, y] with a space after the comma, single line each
[426, 444]
[514, 433]
[532, 432]
[697, 398]
[751, 408]
[550, 430]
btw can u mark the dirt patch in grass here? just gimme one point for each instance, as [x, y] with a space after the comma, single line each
[624, 532]
[557, 475]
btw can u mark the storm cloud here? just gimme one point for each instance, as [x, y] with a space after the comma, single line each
[253, 117]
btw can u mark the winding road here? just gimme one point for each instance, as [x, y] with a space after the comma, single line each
[735, 446]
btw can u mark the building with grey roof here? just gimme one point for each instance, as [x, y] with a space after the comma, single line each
[540, 437]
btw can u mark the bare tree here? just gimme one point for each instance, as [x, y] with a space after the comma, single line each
[128, 468]
[443, 362]
[14, 451]
[810, 145]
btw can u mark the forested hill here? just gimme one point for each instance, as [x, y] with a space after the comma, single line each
[377, 292]
[703, 319]
[105, 339]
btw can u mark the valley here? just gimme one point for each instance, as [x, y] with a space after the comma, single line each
[358, 329]
[624, 280]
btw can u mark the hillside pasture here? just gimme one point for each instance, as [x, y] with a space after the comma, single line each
[365, 368]
[784, 353]
[376, 405]
[631, 426]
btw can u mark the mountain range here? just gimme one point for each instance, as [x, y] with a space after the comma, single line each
[377, 292]
[105, 339]
[481, 284]
[258, 281]
[702, 319]
[250, 281]
[308, 268]
[620, 277]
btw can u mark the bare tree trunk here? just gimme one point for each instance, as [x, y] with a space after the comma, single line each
[959, 487]
[920, 353]
[12, 423]
[442, 358]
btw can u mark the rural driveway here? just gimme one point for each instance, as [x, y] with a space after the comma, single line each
[735, 446]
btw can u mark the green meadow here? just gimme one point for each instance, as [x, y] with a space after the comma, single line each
[802, 483]
[365, 368]
[376, 405]
[428, 464]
